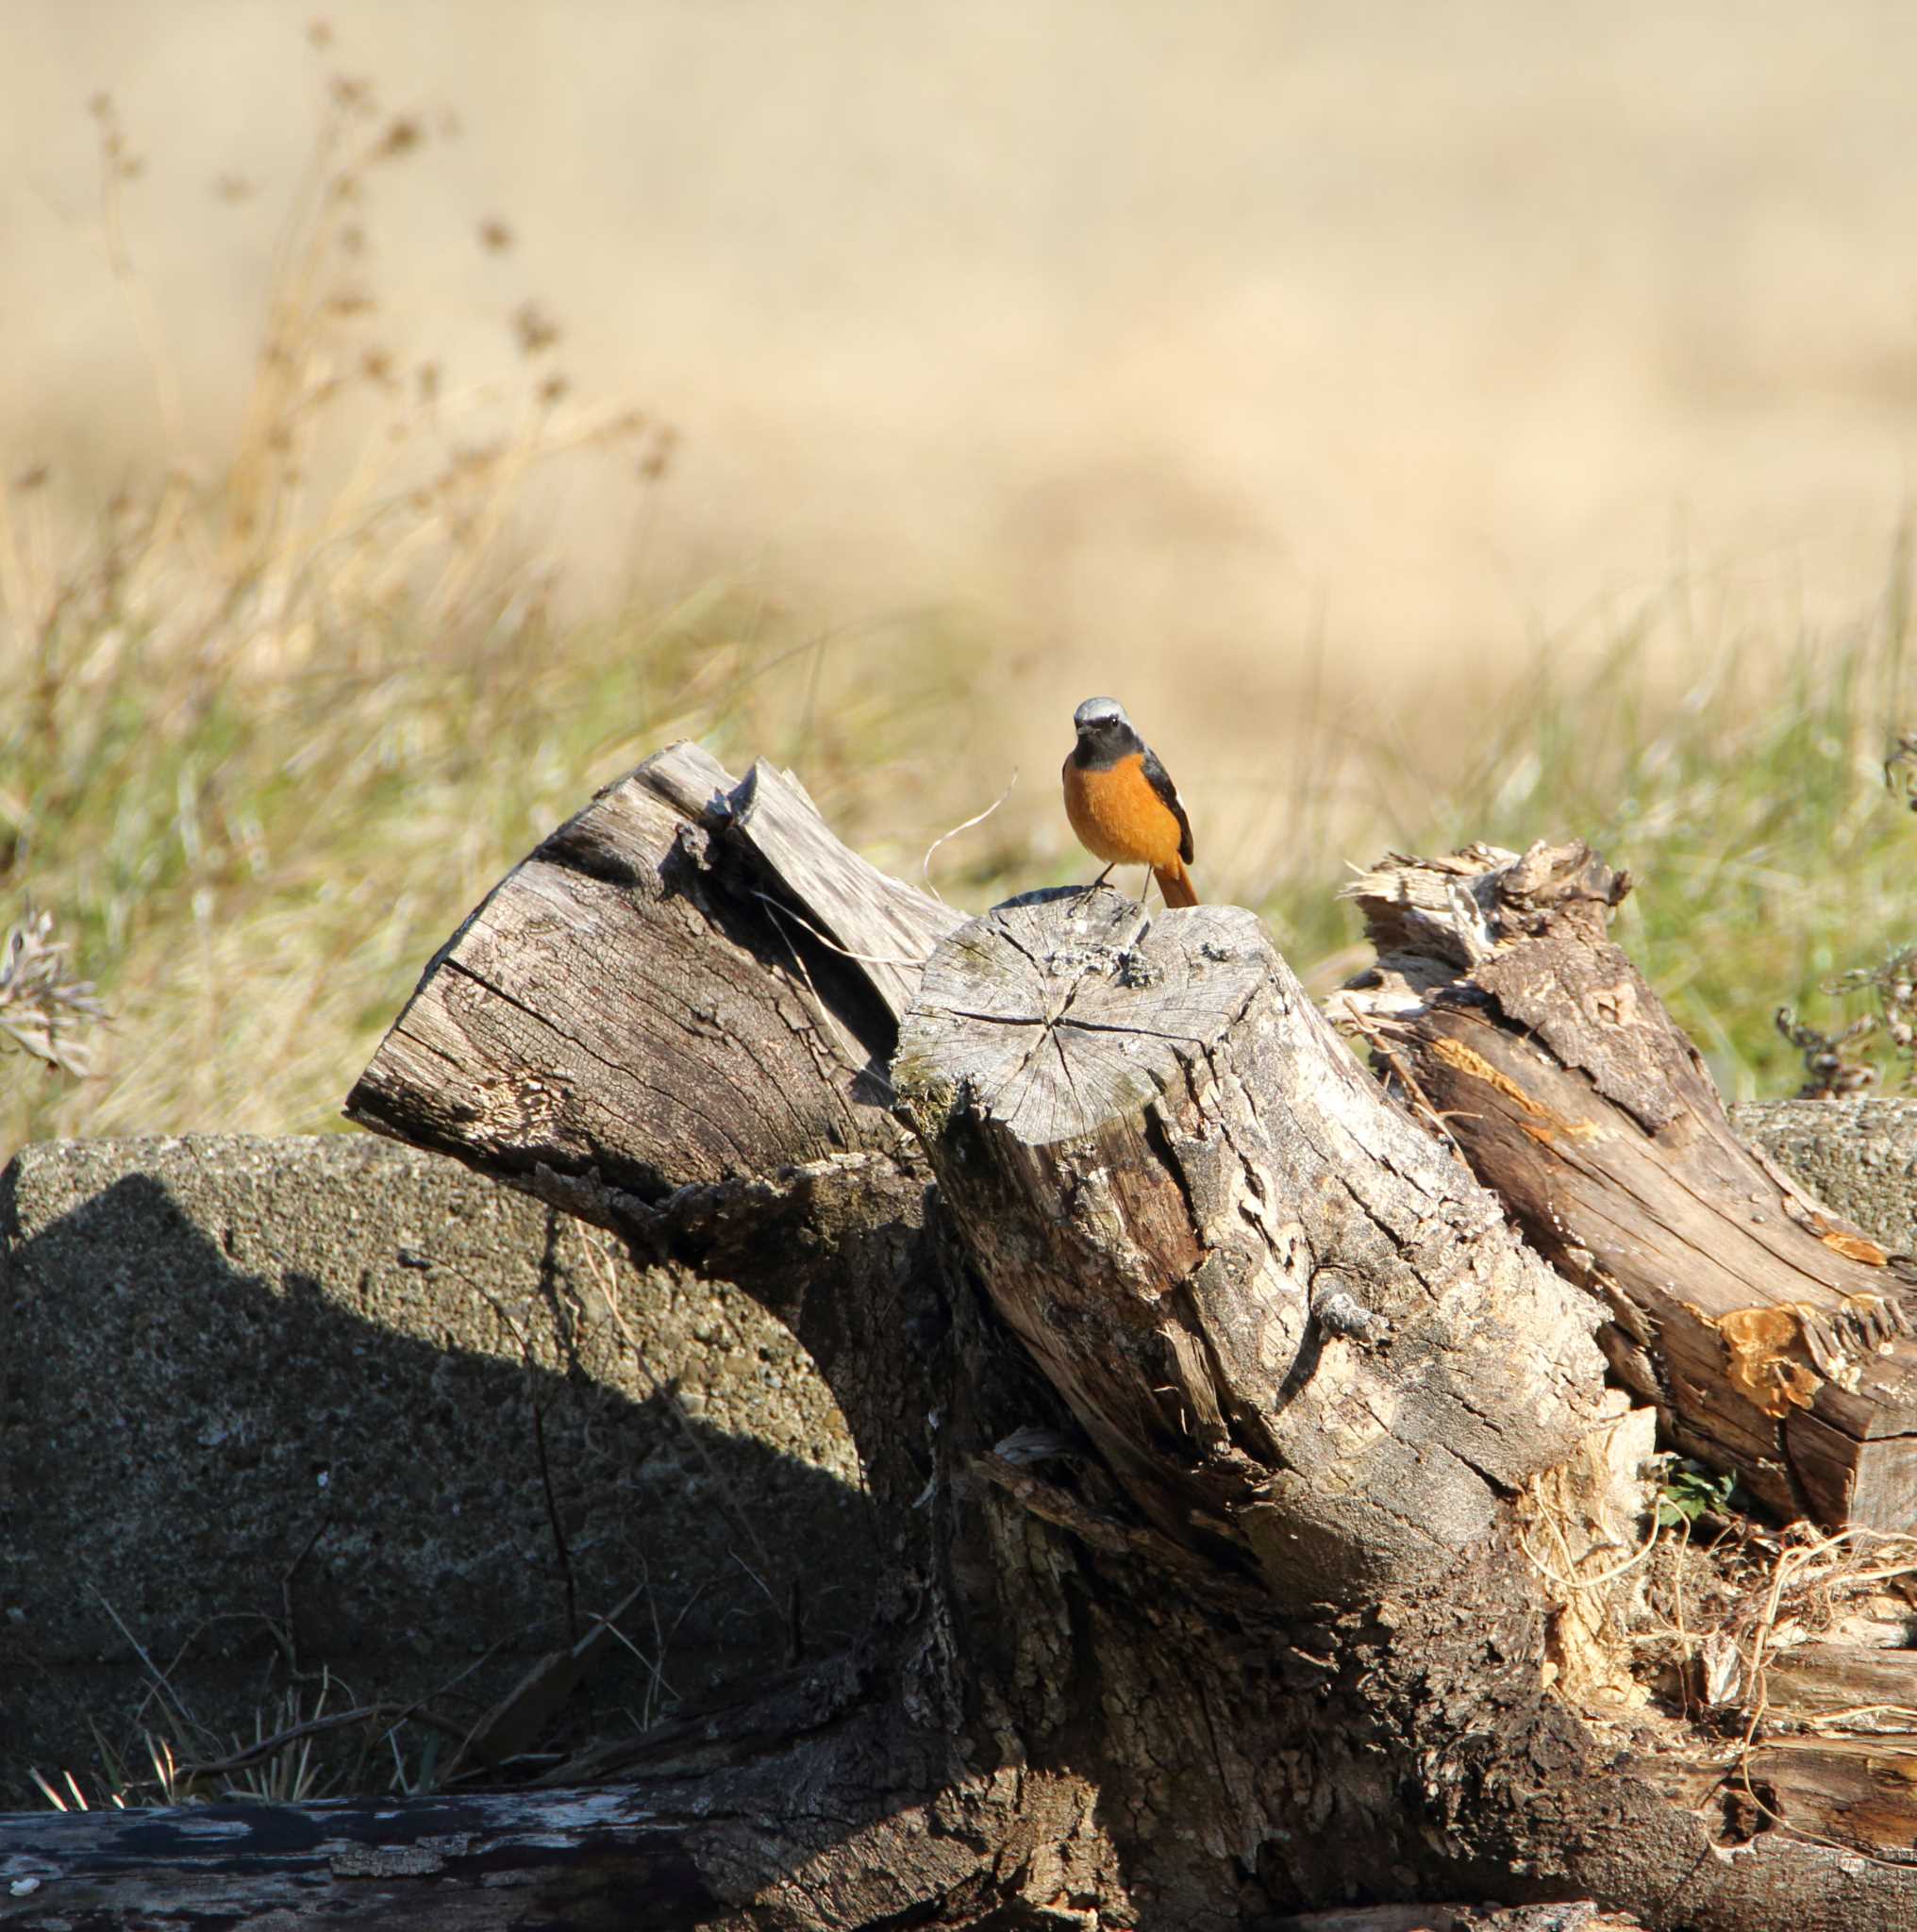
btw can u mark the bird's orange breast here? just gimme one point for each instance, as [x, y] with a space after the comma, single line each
[1118, 815]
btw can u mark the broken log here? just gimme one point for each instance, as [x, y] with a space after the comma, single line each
[1290, 1322]
[602, 1011]
[1774, 1339]
[1196, 1399]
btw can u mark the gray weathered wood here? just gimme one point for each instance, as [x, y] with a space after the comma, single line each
[576, 1858]
[585, 1860]
[1878, 1687]
[1096, 1686]
[571, 1021]
[1773, 1337]
[1289, 1320]
[1036, 1007]
[885, 926]
[616, 1010]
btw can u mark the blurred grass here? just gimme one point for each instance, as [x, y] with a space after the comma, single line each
[255, 873]
[277, 720]
[276, 724]
[1753, 809]
[1749, 798]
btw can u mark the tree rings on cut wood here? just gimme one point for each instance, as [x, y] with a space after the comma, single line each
[1058, 1023]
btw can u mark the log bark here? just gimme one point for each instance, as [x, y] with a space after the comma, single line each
[1301, 1336]
[1774, 1339]
[1201, 1390]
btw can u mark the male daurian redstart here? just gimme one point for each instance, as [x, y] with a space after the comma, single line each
[1122, 802]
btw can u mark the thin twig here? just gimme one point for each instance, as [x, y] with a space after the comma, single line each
[654, 1670]
[1604, 1576]
[976, 819]
[832, 945]
[289, 1636]
[182, 1715]
[1850, 1716]
[314, 1726]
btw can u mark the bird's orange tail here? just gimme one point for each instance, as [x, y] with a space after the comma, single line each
[1175, 882]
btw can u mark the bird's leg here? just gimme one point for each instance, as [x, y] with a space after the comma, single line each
[1101, 878]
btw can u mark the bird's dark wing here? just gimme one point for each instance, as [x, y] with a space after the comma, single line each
[1161, 784]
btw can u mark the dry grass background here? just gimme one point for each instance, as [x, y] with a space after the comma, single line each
[1484, 421]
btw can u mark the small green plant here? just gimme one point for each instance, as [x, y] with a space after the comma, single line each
[123, 1788]
[278, 1767]
[1691, 1490]
[285, 1772]
[71, 1798]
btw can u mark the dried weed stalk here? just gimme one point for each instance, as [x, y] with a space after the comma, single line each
[359, 482]
[1721, 1616]
[44, 1011]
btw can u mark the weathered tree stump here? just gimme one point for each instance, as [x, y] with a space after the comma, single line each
[1292, 1325]
[1197, 1384]
[1773, 1339]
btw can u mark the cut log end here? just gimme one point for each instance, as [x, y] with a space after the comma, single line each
[1337, 1389]
[1061, 1010]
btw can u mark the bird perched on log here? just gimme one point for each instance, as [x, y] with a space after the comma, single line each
[1122, 802]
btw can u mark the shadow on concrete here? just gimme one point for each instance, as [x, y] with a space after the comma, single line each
[388, 1476]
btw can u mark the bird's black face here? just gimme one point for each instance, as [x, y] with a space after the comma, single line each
[1105, 733]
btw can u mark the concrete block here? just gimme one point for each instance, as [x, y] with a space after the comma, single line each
[272, 1403]
[1859, 1157]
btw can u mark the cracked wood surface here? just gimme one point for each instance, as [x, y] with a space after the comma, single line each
[643, 1000]
[1168, 1170]
[648, 1024]
[1773, 1337]
[1162, 1687]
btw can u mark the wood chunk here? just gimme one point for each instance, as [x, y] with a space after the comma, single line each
[1056, 1016]
[1869, 1688]
[1161, 1159]
[887, 927]
[621, 1005]
[1785, 1344]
